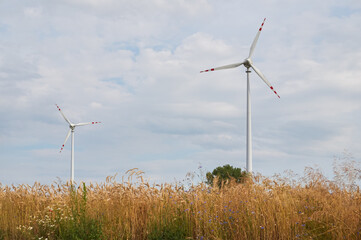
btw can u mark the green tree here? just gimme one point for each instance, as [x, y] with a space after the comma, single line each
[226, 173]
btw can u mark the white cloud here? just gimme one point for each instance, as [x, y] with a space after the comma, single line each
[33, 11]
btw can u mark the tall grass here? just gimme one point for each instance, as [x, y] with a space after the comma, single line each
[310, 207]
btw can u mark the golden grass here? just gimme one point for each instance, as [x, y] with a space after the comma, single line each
[262, 208]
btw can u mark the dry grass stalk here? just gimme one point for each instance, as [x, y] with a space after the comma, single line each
[261, 208]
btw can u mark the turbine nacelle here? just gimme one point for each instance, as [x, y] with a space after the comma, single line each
[248, 63]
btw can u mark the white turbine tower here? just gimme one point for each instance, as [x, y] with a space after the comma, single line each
[248, 64]
[71, 130]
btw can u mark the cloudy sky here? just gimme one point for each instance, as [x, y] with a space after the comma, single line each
[134, 66]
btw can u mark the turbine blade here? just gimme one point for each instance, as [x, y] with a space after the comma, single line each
[264, 79]
[83, 124]
[255, 40]
[66, 139]
[66, 119]
[224, 67]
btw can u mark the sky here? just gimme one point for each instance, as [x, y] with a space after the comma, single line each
[135, 66]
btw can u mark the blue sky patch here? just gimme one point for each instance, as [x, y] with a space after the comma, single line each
[343, 12]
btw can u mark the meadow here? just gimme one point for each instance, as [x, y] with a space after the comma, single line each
[282, 207]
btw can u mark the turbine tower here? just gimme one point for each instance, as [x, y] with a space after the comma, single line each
[71, 130]
[248, 64]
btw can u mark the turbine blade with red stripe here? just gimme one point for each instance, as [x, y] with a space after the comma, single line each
[66, 139]
[264, 78]
[223, 67]
[255, 40]
[66, 119]
[83, 124]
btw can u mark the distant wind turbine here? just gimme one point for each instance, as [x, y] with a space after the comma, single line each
[248, 64]
[71, 130]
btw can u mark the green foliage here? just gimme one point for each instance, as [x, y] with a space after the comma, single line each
[170, 227]
[80, 225]
[71, 223]
[225, 174]
[170, 232]
[2, 234]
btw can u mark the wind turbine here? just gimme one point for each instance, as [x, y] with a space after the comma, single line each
[71, 130]
[248, 64]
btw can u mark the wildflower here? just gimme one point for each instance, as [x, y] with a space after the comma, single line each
[261, 227]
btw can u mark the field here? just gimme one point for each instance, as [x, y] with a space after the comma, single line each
[282, 207]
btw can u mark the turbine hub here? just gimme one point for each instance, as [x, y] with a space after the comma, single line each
[247, 62]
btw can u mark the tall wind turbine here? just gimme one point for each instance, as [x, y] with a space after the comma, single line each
[248, 64]
[71, 130]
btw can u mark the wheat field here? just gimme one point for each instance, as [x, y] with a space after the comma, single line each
[311, 207]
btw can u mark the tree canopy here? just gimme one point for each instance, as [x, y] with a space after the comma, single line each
[224, 174]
